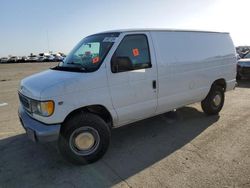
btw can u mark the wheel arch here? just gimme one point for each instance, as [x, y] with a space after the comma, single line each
[220, 82]
[97, 109]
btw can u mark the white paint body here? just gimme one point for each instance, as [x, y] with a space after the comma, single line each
[184, 65]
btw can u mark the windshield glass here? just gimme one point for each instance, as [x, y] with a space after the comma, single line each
[88, 55]
[247, 56]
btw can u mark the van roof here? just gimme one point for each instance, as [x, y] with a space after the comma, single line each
[160, 29]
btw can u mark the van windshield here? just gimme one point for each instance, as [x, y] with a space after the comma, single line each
[88, 55]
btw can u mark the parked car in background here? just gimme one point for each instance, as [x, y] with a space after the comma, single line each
[13, 59]
[243, 67]
[24, 59]
[41, 58]
[21, 59]
[58, 57]
[32, 58]
[62, 54]
[46, 57]
[49, 58]
[4, 60]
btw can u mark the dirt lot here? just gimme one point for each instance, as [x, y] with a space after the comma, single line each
[182, 149]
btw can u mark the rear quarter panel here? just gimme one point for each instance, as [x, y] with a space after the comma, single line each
[188, 64]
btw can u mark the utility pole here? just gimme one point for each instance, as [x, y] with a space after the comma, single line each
[48, 40]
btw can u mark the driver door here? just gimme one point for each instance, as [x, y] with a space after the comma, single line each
[133, 87]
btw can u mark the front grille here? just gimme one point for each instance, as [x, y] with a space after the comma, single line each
[25, 102]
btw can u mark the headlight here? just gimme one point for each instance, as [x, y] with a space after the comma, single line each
[42, 108]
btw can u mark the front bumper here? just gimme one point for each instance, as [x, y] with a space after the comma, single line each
[37, 131]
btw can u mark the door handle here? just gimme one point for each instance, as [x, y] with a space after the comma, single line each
[154, 84]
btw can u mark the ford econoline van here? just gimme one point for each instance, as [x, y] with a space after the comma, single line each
[115, 78]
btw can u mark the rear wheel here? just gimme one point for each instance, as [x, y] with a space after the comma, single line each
[214, 101]
[84, 138]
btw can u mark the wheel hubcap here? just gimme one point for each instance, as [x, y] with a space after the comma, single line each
[84, 141]
[217, 100]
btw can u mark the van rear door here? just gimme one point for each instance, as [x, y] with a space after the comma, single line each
[132, 77]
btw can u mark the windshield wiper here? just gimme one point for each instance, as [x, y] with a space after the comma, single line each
[78, 65]
[78, 68]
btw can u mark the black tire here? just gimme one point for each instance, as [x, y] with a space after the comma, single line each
[82, 123]
[209, 106]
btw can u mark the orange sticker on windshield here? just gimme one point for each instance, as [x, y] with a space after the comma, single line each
[95, 60]
[136, 52]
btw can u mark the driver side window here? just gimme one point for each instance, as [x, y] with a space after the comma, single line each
[131, 54]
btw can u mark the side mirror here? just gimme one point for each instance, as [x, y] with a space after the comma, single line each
[121, 64]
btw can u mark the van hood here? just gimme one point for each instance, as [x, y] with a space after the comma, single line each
[32, 86]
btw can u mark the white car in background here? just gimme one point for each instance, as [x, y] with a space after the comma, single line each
[58, 57]
[32, 58]
[49, 58]
[13, 59]
[4, 60]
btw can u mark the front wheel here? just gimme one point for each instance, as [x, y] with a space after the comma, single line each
[214, 101]
[84, 138]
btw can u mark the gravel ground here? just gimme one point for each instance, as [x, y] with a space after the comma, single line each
[181, 149]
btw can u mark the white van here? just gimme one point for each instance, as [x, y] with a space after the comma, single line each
[115, 78]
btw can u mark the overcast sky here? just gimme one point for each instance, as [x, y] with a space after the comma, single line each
[40, 25]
